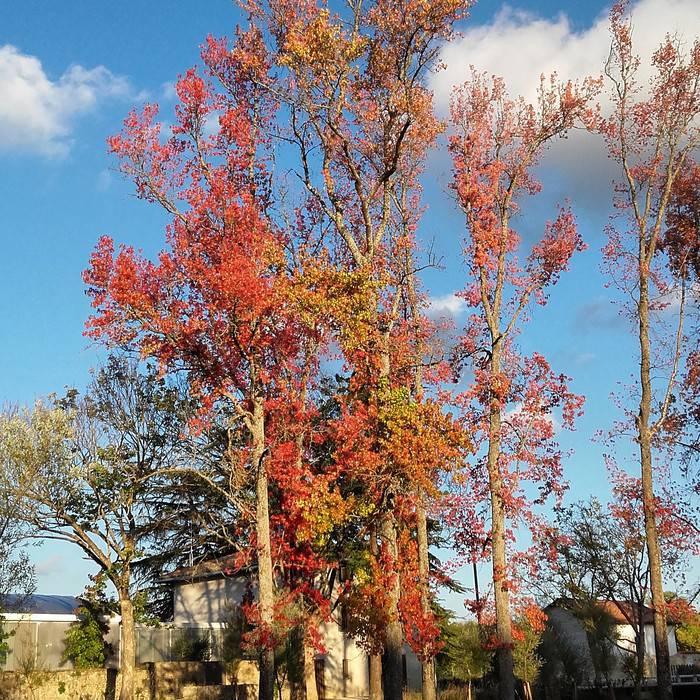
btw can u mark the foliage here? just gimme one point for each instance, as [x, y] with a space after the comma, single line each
[651, 134]
[84, 644]
[190, 646]
[511, 401]
[686, 620]
[465, 656]
[528, 630]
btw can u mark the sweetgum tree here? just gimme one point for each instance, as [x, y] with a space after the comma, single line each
[360, 117]
[220, 301]
[512, 399]
[651, 134]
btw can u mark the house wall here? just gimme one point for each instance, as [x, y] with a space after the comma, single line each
[572, 629]
[201, 603]
[346, 668]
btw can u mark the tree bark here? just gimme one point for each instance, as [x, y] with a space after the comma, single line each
[393, 648]
[127, 650]
[310, 671]
[375, 660]
[664, 689]
[504, 653]
[428, 688]
[640, 652]
[266, 687]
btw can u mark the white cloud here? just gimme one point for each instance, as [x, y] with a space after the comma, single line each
[446, 305]
[519, 46]
[517, 416]
[37, 113]
[167, 91]
[104, 181]
[49, 567]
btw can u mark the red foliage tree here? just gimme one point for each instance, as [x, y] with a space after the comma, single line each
[361, 122]
[651, 134]
[222, 302]
[512, 401]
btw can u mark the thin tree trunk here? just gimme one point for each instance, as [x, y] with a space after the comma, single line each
[393, 649]
[428, 684]
[504, 653]
[375, 660]
[640, 653]
[310, 671]
[127, 650]
[664, 688]
[428, 688]
[266, 687]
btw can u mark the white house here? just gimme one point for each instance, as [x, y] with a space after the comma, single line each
[203, 595]
[570, 628]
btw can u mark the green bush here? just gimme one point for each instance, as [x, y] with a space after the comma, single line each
[191, 647]
[84, 641]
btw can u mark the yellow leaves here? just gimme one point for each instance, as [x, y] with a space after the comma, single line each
[338, 298]
[320, 45]
[33, 444]
[417, 437]
[321, 512]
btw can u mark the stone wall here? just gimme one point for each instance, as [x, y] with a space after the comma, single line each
[92, 684]
[156, 681]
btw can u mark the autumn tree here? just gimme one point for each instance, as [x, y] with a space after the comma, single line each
[352, 83]
[651, 134]
[87, 471]
[226, 301]
[527, 661]
[512, 400]
[680, 242]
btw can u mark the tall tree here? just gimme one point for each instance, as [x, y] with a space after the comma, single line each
[88, 471]
[512, 400]
[224, 302]
[651, 133]
[353, 83]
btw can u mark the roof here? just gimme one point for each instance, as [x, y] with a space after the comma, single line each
[223, 567]
[41, 604]
[623, 611]
[620, 611]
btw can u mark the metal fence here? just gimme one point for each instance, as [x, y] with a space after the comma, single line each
[155, 644]
[40, 645]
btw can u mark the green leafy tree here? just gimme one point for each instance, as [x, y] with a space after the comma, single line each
[465, 657]
[93, 471]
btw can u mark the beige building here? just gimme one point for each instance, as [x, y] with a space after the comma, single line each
[203, 596]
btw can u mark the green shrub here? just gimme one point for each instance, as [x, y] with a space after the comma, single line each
[84, 642]
[191, 647]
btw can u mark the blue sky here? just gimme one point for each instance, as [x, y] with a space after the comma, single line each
[70, 71]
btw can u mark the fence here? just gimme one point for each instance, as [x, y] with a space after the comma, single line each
[39, 645]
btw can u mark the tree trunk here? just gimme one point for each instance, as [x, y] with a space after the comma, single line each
[296, 663]
[310, 672]
[664, 688]
[393, 650]
[375, 660]
[266, 687]
[504, 652]
[127, 649]
[640, 653]
[428, 689]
